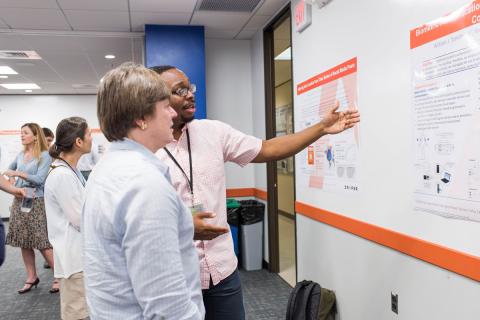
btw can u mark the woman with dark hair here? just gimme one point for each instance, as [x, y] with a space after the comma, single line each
[28, 222]
[64, 193]
[49, 136]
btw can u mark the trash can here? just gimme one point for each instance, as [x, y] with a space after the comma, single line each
[251, 234]
[233, 210]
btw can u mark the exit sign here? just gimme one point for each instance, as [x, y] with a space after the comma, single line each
[303, 15]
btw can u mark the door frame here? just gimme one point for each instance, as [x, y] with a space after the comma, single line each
[270, 127]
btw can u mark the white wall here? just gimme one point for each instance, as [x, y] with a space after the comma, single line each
[363, 273]
[235, 95]
[258, 103]
[47, 111]
[229, 95]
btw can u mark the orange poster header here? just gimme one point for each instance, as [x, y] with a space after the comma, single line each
[464, 17]
[339, 71]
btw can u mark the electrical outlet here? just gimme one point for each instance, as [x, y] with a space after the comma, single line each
[394, 302]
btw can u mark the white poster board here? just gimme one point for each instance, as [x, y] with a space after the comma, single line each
[446, 113]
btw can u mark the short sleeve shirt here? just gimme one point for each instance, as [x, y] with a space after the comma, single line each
[212, 144]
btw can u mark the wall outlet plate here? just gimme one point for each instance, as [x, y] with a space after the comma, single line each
[394, 299]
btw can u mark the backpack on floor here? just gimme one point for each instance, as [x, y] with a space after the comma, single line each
[309, 301]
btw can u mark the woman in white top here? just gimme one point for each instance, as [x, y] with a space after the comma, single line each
[64, 193]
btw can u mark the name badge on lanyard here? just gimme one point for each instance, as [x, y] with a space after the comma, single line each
[197, 208]
[194, 207]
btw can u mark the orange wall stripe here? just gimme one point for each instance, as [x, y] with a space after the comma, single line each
[247, 192]
[261, 194]
[453, 260]
[9, 132]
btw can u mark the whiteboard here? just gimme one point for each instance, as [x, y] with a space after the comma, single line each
[377, 34]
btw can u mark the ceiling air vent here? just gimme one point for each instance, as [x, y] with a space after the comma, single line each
[228, 5]
[23, 55]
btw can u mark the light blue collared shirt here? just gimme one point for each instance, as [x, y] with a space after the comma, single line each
[139, 257]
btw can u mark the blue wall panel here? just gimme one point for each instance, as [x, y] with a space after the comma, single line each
[184, 48]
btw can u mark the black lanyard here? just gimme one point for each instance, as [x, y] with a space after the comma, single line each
[190, 181]
[82, 181]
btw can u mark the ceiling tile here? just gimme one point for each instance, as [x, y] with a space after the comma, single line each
[219, 20]
[93, 5]
[83, 20]
[270, 7]
[32, 4]
[103, 65]
[257, 22]
[13, 42]
[42, 19]
[220, 33]
[3, 25]
[52, 43]
[246, 34]
[79, 72]
[86, 91]
[140, 19]
[163, 5]
[40, 73]
[105, 45]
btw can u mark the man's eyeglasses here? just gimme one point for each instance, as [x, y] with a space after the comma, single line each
[183, 92]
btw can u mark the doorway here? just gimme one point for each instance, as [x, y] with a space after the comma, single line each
[281, 174]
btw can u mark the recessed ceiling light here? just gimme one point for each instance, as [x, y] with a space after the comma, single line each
[3, 77]
[7, 70]
[28, 90]
[19, 86]
[109, 56]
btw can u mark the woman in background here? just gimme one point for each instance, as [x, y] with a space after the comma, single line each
[49, 136]
[64, 193]
[28, 230]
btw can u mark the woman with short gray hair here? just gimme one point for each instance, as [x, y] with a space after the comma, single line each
[140, 262]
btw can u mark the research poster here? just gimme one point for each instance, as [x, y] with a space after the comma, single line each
[446, 111]
[331, 163]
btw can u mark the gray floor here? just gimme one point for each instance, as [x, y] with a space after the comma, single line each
[265, 294]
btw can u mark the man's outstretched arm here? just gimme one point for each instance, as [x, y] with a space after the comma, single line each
[285, 146]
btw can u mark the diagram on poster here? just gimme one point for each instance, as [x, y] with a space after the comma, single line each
[329, 164]
[446, 111]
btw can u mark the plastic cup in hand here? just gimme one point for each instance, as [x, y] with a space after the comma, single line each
[27, 201]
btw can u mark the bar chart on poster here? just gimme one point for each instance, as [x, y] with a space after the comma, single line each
[409, 172]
